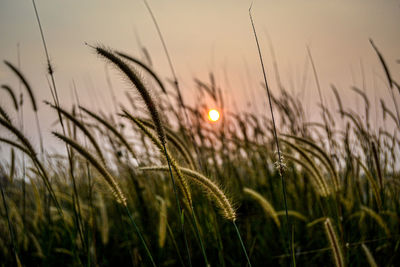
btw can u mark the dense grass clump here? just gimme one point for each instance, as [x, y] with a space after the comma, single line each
[144, 186]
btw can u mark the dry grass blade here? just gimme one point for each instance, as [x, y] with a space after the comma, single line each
[388, 111]
[267, 207]
[382, 60]
[162, 226]
[24, 82]
[377, 165]
[334, 243]
[28, 149]
[110, 180]
[377, 218]
[293, 213]
[105, 228]
[324, 158]
[366, 100]
[389, 78]
[111, 128]
[373, 183]
[323, 187]
[338, 99]
[21, 137]
[81, 126]
[11, 93]
[308, 168]
[14, 144]
[5, 115]
[369, 256]
[12, 166]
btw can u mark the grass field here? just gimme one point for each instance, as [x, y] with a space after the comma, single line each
[157, 184]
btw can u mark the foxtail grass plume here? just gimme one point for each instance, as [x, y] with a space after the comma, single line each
[110, 180]
[135, 80]
[209, 186]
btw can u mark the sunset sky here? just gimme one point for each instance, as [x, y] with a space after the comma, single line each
[203, 36]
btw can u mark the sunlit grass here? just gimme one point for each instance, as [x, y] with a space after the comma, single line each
[154, 184]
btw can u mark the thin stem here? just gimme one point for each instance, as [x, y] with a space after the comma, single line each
[40, 135]
[276, 139]
[49, 67]
[180, 98]
[54, 93]
[163, 44]
[89, 179]
[182, 105]
[140, 236]
[328, 132]
[199, 237]
[181, 219]
[21, 118]
[241, 243]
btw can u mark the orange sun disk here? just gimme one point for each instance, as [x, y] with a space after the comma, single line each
[213, 115]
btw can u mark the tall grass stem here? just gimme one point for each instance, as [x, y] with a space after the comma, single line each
[275, 137]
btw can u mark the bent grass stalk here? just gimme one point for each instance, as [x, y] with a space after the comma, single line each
[323, 157]
[11, 93]
[111, 182]
[315, 179]
[12, 167]
[181, 104]
[324, 115]
[389, 78]
[144, 93]
[209, 186]
[370, 257]
[5, 115]
[172, 165]
[175, 141]
[81, 126]
[111, 128]
[266, 206]
[33, 100]
[30, 151]
[334, 243]
[323, 188]
[171, 66]
[181, 182]
[54, 93]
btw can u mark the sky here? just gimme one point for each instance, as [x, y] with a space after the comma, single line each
[202, 37]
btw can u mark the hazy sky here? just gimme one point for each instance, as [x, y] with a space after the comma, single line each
[202, 36]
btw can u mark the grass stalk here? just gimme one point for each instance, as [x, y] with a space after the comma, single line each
[241, 243]
[280, 163]
[177, 204]
[140, 236]
[10, 228]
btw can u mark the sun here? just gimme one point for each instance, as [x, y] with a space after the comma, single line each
[213, 115]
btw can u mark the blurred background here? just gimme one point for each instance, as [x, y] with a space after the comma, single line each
[203, 37]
